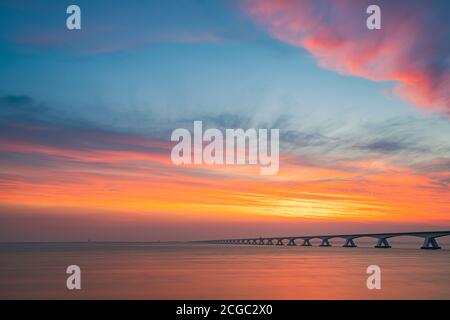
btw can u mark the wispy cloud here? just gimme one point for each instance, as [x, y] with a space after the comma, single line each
[91, 43]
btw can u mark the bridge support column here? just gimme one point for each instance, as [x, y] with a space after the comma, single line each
[292, 242]
[325, 243]
[349, 243]
[269, 242]
[280, 242]
[430, 243]
[306, 243]
[382, 243]
[261, 241]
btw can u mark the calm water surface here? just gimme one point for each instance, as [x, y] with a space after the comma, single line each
[194, 271]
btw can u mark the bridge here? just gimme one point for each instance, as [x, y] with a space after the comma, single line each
[429, 239]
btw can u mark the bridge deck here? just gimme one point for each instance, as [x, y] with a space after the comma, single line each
[428, 236]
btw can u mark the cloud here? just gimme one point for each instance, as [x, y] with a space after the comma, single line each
[416, 143]
[19, 100]
[20, 107]
[411, 49]
[33, 134]
[384, 146]
[117, 29]
[107, 42]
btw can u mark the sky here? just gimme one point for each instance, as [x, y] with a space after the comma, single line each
[86, 118]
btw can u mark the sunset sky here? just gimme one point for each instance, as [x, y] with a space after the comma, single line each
[86, 118]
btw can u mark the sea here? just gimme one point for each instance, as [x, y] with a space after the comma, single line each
[177, 270]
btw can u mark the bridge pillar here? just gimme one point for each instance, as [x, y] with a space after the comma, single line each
[306, 243]
[349, 243]
[261, 241]
[269, 242]
[254, 241]
[292, 242]
[280, 242]
[430, 243]
[325, 243]
[382, 243]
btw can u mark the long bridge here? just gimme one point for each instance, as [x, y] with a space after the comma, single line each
[429, 239]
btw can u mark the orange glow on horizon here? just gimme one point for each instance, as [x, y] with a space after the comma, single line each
[371, 191]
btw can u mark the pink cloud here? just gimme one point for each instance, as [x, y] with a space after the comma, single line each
[409, 49]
